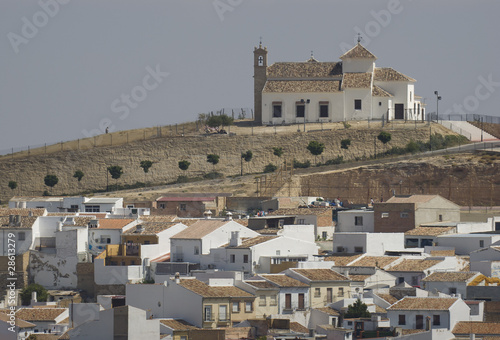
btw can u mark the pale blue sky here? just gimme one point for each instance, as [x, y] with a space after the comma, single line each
[63, 80]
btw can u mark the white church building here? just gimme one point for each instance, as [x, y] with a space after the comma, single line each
[313, 91]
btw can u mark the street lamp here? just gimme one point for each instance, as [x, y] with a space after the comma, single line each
[438, 98]
[306, 101]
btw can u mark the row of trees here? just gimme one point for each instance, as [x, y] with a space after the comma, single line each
[315, 148]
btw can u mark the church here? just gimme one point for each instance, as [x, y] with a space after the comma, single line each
[314, 91]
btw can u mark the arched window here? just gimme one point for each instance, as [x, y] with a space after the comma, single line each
[261, 61]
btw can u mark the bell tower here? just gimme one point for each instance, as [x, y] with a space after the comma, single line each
[259, 79]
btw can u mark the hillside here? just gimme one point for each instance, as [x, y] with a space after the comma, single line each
[167, 151]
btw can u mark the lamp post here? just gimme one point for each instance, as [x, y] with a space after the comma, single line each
[438, 98]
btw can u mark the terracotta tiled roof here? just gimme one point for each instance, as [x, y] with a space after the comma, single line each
[357, 81]
[65, 335]
[282, 280]
[329, 311]
[242, 221]
[291, 86]
[342, 260]
[158, 218]
[374, 261]
[150, 228]
[82, 221]
[26, 222]
[388, 297]
[358, 51]
[249, 242]
[185, 199]
[261, 284]
[411, 199]
[290, 70]
[177, 324]
[268, 231]
[205, 290]
[413, 265]
[114, 223]
[390, 74]
[449, 252]
[358, 278]
[429, 231]
[19, 322]
[22, 212]
[380, 92]
[423, 303]
[380, 310]
[321, 274]
[298, 328]
[476, 327]
[39, 314]
[200, 229]
[450, 276]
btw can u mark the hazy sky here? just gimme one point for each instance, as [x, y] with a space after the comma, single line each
[68, 68]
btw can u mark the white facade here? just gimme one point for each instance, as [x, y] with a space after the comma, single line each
[450, 287]
[355, 221]
[370, 243]
[464, 244]
[117, 275]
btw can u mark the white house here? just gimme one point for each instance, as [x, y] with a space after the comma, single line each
[464, 244]
[428, 313]
[293, 295]
[190, 244]
[369, 243]
[107, 231]
[357, 220]
[449, 282]
[69, 204]
[486, 261]
[312, 91]
[54, 320]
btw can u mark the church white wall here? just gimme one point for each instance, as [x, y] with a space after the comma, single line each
[366, 104]
[335, 109]
[381, 110]
[358, 65]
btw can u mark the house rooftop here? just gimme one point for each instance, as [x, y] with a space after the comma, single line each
[158, 218]
[450, 276]
[358, 52]
[149, 228]
[357, 80]
[413, 265]
[298, 328]
[390, 74]
[114, 223]
[177, 324]
[308, 70]
[200, 229]
[387, 297]
[328, 310]
[282, 280]
[476, 327]
[19, 322]
[428, 231]
[249, 242]
[201, 288]
[102, 200]
[423, 303]
[374, 261]
[260, 284]
[320, 274]
[310, 86]
[301, 211]
[23, 211]
[342, 260]
[410, 199]
[39, 314]
[186, 199]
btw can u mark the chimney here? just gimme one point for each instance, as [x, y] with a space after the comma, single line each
[235, 240]
[207, 214]
[229, 216]
[177, 277]
[30, 213]
[33, 297]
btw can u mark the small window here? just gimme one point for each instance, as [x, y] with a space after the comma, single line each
[411, 242]
[300, 110]
[183, 337]
[340, 249]
[340, 292]
[222, 312]
[404, 215]
[276, 110]
[232, 258]
[379, 103]
[436, 320]
[357, 104]
[262, 300]
[248, 307]
[358, 249]
[301, 221]
[196, 250]
[273, 300]
[402, 319]
[21, 236]
[453, 290]
[324, 235]
[358, 220]
[414, 280]
[440, 218]
[317, 292]
[162, 205]
[278, 252]
[145, 242]
[245, 258]
[349, 323]
[236, 307]
[182, 207]
[323, 110]
[481, 243]
[385, 215]
[260, 61]
[208, 313]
